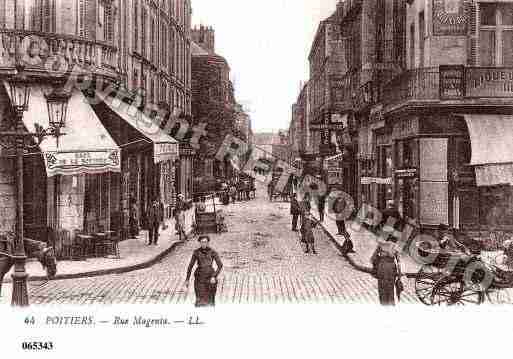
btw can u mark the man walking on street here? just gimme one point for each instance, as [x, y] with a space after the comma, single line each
[153, 218]
[321, 204]
[295, 211]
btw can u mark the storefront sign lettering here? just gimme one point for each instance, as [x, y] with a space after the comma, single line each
[165, 151]
[69, 163]
[407, 173]
[487, 82]
[452, 83]
[450, 17]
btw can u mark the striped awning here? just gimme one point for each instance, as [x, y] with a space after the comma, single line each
[85, 147]
[165, 147]
[492, 150]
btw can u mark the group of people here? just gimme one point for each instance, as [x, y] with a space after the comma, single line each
[153, 218]
[237, 190]
[301, 210]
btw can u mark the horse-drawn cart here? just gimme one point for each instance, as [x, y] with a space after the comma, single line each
[455, 277]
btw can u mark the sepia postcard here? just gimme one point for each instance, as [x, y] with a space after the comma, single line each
[276, 178]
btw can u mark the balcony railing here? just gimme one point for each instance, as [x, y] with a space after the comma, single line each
[449, 83]
[417, 84]
[37, 50]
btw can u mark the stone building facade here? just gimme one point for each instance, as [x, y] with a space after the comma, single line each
[131, 44]
[214, 103]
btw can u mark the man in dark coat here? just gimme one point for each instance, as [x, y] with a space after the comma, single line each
[153, 217]
[321, 204]
[295, 211]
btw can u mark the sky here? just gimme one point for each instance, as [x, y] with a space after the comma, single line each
[266, 43]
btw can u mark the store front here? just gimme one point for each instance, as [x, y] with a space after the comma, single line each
[68, 184]
[484, 195]
[148, 160]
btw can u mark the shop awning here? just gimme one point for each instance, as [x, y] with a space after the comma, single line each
[85, 147]
[165, 147]
[492, 149]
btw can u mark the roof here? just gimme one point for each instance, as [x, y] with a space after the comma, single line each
[197, 50]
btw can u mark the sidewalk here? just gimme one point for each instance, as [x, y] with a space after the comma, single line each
[365, 242]
[134, 254]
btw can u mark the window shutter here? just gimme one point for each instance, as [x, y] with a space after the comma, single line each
[473, 50]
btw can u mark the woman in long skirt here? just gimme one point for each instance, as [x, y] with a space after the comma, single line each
[205, 276]
[387, 267]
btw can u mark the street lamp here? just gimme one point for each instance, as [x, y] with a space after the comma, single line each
[19, 90]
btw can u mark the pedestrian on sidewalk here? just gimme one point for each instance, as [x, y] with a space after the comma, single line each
[308, 222]
[181, 207]
[295, 211]
[338, 208]
[270, 191]
[321, 204]
[133, 218]
[205, 276]
[387, 269]
[233, 192]
[305, 203]
[153, 219]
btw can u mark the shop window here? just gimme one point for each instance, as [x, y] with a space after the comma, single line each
[407, 154]
[496, 209]
[496, 34]
[422, 27]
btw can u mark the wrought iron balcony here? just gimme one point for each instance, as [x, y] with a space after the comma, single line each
[450, 83]
[418, 84]
[48, 54]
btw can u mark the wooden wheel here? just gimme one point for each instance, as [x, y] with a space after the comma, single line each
[453, 291]
[499, 296]
[425, 281]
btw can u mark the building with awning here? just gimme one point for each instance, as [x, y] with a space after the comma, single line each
[148, 156]
[492, 148]
[86, 147]
[68, 180]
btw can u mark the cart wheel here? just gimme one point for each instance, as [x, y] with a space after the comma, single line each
[450, 291]
[425, 281]
[499, 296]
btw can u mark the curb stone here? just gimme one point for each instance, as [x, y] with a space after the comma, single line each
[95, 273]
[350, 260]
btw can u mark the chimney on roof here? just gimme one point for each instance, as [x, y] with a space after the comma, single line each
[204, 37]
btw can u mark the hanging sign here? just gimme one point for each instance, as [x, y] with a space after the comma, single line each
[165, 151]
[77, 162]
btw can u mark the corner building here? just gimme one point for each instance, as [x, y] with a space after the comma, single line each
[132, 44]
[447, 119]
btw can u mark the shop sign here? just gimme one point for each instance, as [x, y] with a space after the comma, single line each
[377, 180]
[68, 163]
[407, 173]
[165, 151]
[489, 82]
[387, 181]
[452, 84]
[450, 17]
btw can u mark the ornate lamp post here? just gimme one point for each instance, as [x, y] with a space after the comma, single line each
[19, 90]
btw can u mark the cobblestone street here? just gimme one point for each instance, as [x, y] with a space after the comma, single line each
[263, 263]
